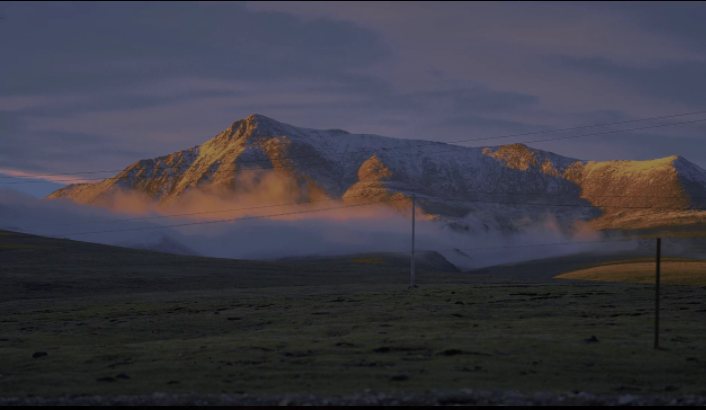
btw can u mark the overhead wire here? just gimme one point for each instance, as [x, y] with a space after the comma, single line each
[432, 198]
[575, 205]
[530, 245]
[465, 200]
[425, 143]
[195, 213]
[221, 220]
[371, 203]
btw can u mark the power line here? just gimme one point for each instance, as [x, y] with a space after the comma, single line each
[614, 132]
[580, 127]
[431, 198]
[399, 148]
[531, 245]
[367, 196]
[222, 220]
[488, 202]
[198, 213]
[581, 196]
[576, 205]
[372, 203]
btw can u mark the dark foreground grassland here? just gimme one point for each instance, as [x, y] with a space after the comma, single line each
[128, 322]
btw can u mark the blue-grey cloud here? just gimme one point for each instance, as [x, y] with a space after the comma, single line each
[680, 82]
[105, 45]
[683, 20]
[37, 150]
[133, 58]
[78, 58]
[100, 85]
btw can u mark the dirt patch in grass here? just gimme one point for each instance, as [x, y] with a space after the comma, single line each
[673, 272]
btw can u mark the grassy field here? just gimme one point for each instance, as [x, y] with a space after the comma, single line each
[115, 321]
[673, 271]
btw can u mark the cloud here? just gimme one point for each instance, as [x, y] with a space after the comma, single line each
[114, 83]
[34, 150]
[340, 231]
[17, 103]
[106, 46]
[677, 82]
[682, 21]
[621, 31]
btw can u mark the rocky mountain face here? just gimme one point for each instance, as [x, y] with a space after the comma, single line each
[502, 187]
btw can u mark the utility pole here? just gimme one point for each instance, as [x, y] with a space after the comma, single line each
[414, 200]
[659, 257]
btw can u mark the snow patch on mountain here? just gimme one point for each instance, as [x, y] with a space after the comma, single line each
[484, 188]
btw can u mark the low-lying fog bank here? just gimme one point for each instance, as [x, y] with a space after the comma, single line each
[337, 229]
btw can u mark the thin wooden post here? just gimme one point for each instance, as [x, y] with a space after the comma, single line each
[657, 278]
[412, 284]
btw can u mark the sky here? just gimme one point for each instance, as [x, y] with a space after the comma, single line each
[98, 86]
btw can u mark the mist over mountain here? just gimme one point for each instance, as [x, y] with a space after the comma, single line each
[260, 161]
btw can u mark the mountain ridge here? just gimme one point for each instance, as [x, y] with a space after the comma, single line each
[490, 186]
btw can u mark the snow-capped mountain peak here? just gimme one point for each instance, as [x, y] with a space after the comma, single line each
[492, 186]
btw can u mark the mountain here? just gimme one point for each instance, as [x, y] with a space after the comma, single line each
[504, 187]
